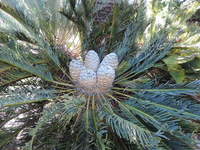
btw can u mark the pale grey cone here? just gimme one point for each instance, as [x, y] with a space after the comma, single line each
[105, 77]
[87, 78]
[75, 67]
[92, 60]
[110, 60]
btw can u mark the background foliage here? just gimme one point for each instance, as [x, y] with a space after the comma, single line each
[154, 101]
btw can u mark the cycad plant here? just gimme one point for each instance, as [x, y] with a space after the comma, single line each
[107, 97]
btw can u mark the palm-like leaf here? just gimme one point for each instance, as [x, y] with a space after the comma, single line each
[41, 106]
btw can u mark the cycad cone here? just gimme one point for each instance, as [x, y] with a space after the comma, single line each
[92, 60]
[94, 77]
[105, 77]
[75, 68]
[110, 60]
[87, 79]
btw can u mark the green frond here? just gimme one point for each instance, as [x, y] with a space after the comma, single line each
[87, 135]
[154, 50]
[192, 66]
[19, 95]
[147, 106]
[129, 129]
[43, 28]
[179, 140]
[17, 119]
[133, 112]
[176, 106]
[13, 58]
[6, 136]
[98, 128]
[71, 107]
[47, 115]
[165, 89]
[12, 76]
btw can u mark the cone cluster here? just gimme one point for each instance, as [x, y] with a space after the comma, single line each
[91, 76]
